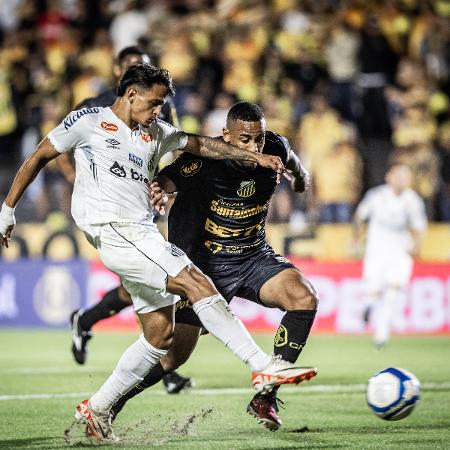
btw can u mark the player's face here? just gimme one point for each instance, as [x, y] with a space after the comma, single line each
[146, 104]
[246, 135]
[399, 178]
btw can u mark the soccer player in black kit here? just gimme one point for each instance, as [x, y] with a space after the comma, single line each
[117, 299]
[218, 218]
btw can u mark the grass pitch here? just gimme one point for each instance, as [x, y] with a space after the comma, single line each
[40, 386]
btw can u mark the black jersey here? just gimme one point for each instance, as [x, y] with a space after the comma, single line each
[107, 98]
[221, 206]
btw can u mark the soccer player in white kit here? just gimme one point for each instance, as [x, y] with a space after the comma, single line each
[396, 224]
[116, 151]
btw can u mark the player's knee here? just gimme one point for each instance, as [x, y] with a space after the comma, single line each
[192, 284]
[163, 340]
[302, 299]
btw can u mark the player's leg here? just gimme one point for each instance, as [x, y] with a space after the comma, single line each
[217, 318]
[184, 342]
[111, 304]
[384, 316]
[82, 321]
[276, 283]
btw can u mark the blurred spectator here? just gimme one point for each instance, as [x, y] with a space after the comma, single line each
[337, 181]
[216, 119]
[444, 194]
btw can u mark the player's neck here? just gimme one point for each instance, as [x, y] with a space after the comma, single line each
[123, 111]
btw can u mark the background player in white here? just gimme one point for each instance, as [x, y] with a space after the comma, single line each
[396, 224]
[116, 151]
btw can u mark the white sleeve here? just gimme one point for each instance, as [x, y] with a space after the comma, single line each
[417, 214]
[171, 138]
[70, 132]
[364, 209]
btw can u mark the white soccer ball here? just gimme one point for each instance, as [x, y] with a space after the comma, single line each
[393, 393]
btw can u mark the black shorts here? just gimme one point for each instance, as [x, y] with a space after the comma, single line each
[242, 278]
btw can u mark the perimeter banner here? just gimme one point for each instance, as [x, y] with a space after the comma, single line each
[423, 308]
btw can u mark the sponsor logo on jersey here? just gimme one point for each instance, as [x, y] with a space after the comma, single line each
[136, 176]
[146, 137]
[281, 338]
[241, 213]
[247, 188]
[108, 126]
[136, 160]
[118, 170]
[112, 143]
[70, 120]
[190, 168]
[176, 251]
[226, 232]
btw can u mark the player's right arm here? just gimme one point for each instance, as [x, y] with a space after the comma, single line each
[44, 153]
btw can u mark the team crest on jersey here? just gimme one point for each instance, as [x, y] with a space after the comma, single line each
[135, 160]
[118, 170]
[191, 168]
[146, 137]
[281, 337]
[247, 188]
[108, 126]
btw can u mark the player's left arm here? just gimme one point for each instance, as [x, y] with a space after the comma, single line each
[298, 175]
[217, 148]
[417, 224]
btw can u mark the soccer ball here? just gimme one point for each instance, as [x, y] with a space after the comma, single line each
[393, 393]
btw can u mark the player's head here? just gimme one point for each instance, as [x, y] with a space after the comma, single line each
[399, 177]
[128, 56]
[144, 88]
[246, 126]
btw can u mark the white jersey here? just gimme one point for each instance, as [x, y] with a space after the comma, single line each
[114, 164]
[391, 217]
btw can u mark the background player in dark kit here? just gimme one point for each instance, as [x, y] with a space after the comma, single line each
[218, 218]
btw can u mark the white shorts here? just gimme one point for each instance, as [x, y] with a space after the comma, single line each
[143, 259]
[393, 269]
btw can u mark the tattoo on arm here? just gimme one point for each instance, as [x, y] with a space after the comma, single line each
[217, 148]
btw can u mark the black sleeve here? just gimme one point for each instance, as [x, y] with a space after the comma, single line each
[187, 171]
[277, 145]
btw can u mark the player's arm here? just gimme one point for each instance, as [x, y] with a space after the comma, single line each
[64, 164]
[217, 148]
[298, 175]
[44, 153]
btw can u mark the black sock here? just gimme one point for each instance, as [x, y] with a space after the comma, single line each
[108, 306]
[154, 376]
[292, 334]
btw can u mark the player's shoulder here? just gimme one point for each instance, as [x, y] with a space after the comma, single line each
[412, 196]
[82, 116]
[276, 144]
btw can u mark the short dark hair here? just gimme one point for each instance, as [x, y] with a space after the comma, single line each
[132, 50]
[145, 76]
[246, 111]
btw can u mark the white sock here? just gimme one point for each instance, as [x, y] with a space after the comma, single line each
[218, 319]
[384, 315]
[134, 364]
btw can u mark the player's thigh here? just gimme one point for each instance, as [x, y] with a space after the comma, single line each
[289, 290]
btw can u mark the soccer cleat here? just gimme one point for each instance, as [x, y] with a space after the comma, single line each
[175, 383]
[280, 372]
[265, 408]
[97, 425]
[80, 337]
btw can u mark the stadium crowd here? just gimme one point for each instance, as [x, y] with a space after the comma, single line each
[354, 85]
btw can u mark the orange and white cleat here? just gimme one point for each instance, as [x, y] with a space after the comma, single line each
[280, 372]
[97, 425]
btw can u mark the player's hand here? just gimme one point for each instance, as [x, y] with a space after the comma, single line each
[300, 183]
[7, 223]
[158, 198]
[271, 162]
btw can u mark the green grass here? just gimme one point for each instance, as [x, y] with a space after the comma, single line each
[39, 362]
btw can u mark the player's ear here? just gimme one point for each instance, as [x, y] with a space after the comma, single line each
[226, 134]
[131, 94]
